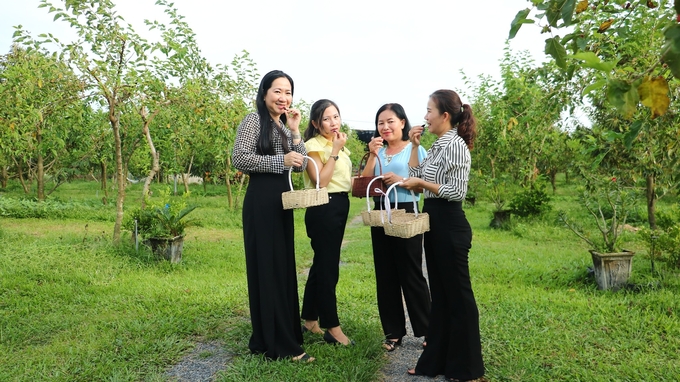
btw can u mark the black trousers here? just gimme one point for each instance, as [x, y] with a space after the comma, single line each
[326, 228]
[398, 269]
[453, 346]
[270, 266]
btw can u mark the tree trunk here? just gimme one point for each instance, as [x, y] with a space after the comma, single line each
[227, 180]
[20, 172]
[40, 167]
[105, 199]
[4, 177]
[651, 202]
[230, 198]
[120, 178]
[155, 157]
[553, 179]
[186, 176]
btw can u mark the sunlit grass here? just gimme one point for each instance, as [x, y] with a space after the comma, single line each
[75, 308]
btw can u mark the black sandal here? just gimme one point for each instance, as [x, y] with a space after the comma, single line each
[391, 345]
[303, 358]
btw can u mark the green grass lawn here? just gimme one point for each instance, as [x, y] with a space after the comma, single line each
[75, 308]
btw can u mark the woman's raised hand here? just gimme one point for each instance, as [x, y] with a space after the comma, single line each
[374, 145]
[293, 118]
[339, 140]
[415, 133]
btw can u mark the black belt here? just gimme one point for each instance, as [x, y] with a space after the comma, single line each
[338, 193]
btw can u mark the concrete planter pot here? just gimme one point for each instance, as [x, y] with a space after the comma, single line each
[167, 248]
[612, 270]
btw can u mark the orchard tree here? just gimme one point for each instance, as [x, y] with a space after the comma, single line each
[112, 56]
[518, 118]
[626, 54]
[40, 107]
[631, 49]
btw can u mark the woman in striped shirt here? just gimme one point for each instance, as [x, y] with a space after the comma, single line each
[454, 345]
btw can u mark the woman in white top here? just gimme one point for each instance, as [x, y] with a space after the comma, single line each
[454, 345]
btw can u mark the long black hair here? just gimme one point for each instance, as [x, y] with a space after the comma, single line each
[316, 115]
[401, 114]
[264, 142]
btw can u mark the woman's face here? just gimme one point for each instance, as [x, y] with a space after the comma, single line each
[330, 123]
[278, 97]
[435, 120]
[390, 127]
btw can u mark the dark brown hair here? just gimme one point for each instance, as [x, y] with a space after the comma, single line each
[316, 115]
[448, 101]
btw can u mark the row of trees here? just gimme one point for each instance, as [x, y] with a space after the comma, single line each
[113, 98]
[618, 63]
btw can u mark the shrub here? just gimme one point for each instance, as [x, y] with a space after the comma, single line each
[530, 201]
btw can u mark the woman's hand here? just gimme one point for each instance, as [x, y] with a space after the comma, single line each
[391, 178]
[374, 145]
[293, 159]
[293, 118]
[339, 140]
[412, 184]
[415, 133]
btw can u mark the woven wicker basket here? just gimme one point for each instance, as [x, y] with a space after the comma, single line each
[408, 224]
[376, 218]
[304, 198]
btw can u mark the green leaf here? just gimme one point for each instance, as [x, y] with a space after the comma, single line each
[597, 85]
[632, 134]
[672, 34]
[592, 61]
[623, 97]
[671, 49]
[557, 51]
[554, 11]
[568, 11]
[520, 18]
[570, 71]
[671, 57]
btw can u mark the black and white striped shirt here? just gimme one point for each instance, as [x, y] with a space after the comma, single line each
[447, 164]
[245, 156]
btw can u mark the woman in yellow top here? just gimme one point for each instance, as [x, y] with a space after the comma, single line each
[325, 144]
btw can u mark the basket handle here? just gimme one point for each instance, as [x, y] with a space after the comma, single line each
[378, 190]
[364, 159]
[387, 201]
[290, 171]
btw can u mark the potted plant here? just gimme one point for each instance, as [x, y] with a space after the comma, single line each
[162, 227]
[496, 190]
[608, 203]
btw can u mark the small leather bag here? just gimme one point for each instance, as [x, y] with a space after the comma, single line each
[360, 183]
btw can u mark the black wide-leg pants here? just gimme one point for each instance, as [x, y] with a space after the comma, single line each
[270, 266]
[454, 344]
[398, 269]
[326, 228]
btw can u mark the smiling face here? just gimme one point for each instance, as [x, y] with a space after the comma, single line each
[279, 97]
[390, 127]
[330, 123]
[438, 123]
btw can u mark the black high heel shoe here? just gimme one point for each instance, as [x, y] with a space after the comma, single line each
[328, 337]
